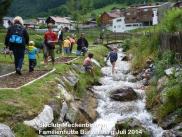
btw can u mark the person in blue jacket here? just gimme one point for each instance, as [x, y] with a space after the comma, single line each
[32, 52]
[113, 55]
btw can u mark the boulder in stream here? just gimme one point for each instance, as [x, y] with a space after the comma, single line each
[5, 131]
[124, 94]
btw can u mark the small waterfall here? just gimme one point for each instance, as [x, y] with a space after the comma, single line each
[111, 111]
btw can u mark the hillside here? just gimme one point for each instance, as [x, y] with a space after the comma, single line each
[33, 8]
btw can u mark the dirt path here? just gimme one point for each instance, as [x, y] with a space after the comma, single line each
[14, 80]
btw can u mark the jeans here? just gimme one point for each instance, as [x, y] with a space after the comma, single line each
[18, 57]
[32, 64]
[66, 50]
[78, 52]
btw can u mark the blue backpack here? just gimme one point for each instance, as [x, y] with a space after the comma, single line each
[16, 35]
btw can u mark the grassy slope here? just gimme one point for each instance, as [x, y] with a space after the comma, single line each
[15, 106]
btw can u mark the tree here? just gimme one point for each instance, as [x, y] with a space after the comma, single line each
[4, 5]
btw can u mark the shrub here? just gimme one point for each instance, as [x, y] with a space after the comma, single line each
[163, 61]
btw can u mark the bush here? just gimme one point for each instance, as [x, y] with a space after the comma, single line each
[172, 21]
[126, 45]
[152, 97]
[163, 61]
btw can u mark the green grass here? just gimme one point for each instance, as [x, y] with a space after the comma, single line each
[19, 105]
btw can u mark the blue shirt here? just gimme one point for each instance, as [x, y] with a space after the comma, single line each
[32, 51]
[113, 56]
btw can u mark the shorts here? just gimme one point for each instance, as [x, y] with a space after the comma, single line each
[49, 52]
[87, 67]
[112, 61]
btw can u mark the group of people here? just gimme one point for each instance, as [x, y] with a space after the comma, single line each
[17, 38]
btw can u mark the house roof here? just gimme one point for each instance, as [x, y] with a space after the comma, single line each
[7, 18]
[60, 19]
[30, 21]
[41, 18]
[113, 14]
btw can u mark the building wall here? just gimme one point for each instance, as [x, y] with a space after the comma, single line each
[5, 23]
[118, 25]
[105, 19]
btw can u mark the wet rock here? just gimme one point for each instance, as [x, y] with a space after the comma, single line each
[145, 82]
[63, 112]
[126, 71]
[178, 129]
[131, 78]
[169, 71]
[169, 133]
[161, 83]
[45, 117]
[169, 122]
[5, 131]
[125, 58]
[68, 97]
[149, 61]
[131, 124]
[72, 113]
[135, 73]
[82, 112]
[88, 107]
[123, 94]
[118, 77]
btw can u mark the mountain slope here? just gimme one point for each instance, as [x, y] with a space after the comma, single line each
[31, 8]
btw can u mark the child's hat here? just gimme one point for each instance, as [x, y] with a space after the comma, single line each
[31, 43]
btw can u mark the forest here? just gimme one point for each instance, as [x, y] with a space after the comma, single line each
[27, 8]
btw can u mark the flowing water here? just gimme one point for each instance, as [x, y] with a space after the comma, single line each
[111, 111]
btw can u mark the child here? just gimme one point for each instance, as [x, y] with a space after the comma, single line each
[72, 41]
[88, 62]
[66, 45]
[32, 52]
[113, 55]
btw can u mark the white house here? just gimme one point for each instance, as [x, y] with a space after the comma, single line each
[155, 18]
[41, 20]
[7, 21]
[119, 25]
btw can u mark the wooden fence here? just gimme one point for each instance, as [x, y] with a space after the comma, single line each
[173, 42]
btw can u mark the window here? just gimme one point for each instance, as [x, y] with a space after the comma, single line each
[145, 10]
[114, 26]
[118, 20]
[128, 13]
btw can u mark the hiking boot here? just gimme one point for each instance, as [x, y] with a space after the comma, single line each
[18, 71]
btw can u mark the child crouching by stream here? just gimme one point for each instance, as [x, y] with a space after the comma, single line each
[87, 64]
[113, 55]
[32, 52]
